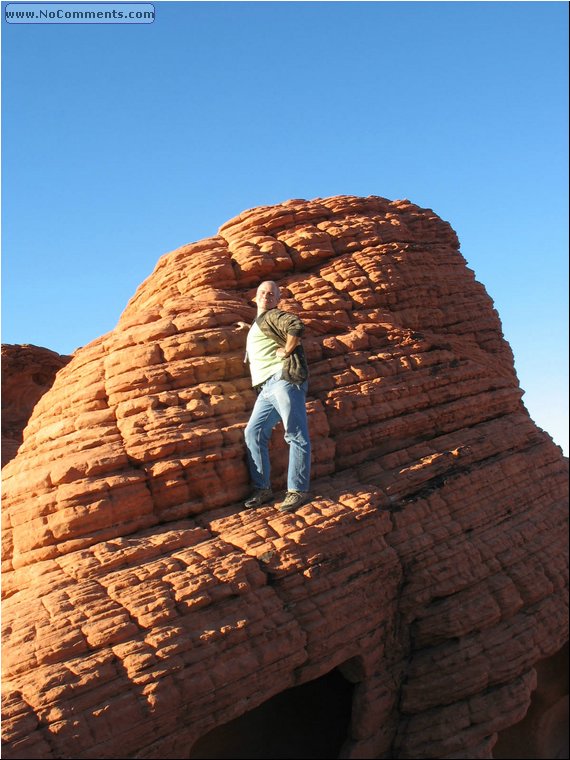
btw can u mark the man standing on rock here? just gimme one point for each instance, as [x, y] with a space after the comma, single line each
[279, 375]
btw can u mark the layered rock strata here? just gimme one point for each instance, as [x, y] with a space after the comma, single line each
[27, 373]
[143, 606]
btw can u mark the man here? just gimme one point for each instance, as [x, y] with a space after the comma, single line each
[279, 374]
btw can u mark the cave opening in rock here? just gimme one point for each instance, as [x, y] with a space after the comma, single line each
[307, 721]
[543, 733]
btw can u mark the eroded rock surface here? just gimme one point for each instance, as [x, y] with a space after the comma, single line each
[27, 373]
[143, 606]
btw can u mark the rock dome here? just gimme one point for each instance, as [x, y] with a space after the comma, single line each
[144, 607]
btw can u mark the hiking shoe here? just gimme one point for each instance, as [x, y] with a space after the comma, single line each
[258, 497]
[293, 500]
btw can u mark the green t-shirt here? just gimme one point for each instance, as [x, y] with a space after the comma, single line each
[261, 355]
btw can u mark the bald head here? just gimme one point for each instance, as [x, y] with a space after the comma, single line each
[267, 296]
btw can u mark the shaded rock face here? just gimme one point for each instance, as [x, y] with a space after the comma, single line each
[27, 373]
[143, 607]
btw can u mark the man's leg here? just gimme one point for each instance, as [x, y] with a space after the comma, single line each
[290, 400]
[263, 419]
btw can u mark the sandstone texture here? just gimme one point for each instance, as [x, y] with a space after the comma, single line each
[143, 606]
[27, 373]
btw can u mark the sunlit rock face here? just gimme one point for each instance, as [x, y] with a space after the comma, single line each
[27, 373]
[143, 606]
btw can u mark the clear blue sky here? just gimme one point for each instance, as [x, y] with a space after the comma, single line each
[122, 142]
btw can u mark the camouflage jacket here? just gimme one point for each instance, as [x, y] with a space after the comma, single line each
[278, 324]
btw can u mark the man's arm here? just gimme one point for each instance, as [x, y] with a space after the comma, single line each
[291, 344]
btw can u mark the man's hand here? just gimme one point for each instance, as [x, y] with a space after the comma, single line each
[290, 346]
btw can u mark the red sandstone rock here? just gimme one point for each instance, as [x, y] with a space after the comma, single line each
[143, 606]
[27, 373]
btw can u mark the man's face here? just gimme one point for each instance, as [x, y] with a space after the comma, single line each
[266, 297]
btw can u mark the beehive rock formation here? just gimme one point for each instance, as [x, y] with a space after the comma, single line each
[27, 373]
[143, 606]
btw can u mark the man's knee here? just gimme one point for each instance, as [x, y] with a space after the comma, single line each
[298, 436]
[255, 435]
[249, 434]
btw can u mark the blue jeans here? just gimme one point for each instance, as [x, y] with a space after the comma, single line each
[279, 400]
